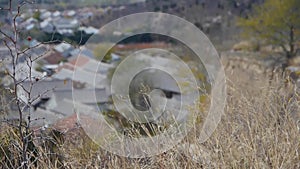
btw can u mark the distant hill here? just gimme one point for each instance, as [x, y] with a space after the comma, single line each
[88, 2]
[74, 3]
[216, 18]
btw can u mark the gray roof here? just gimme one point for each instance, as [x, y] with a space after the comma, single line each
[44, 88]
[63, 23]
[62, 101]
[97, 66]
[63, 74]
[86, 96]
[80, 75]
[51, 85]
[43, 117]
[22, 71]
[67, 107]
[63, 107]
[63, 47]
[60, 111]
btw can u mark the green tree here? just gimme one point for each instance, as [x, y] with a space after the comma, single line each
[36, 15]
[103, 52]
[275, 22]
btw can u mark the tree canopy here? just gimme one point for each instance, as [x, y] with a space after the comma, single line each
[275, 22]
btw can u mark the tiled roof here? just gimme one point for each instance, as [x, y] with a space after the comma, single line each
[97, 66]
[79, 61]
[66, 124]
[43, 89]
[87, 96]
[83, 76]
[40, 87]
[83, 64]
[83, 52]
[53, 57]
[41, 117]
[65, 66]
[62, 106]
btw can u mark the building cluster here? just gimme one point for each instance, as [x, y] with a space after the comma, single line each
[63, 75]
[63, 22]
[60, 74]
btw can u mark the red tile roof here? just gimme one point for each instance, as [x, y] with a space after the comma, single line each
[66, 124]
[79, 61]
[53, 57]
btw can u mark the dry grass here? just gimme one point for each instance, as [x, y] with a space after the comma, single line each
[258, 130]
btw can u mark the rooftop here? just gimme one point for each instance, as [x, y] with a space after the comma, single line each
[53, 57]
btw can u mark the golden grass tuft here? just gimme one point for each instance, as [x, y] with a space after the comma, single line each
[259, 129]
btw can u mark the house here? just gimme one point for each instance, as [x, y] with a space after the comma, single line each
[63, 74]
[29, 27]
[58, 95]
[85, 14]
[43, 90]
[40, 49]
[43, 117]
[29, 24]
[22, 71]
[58, 116]
[66, 124]
[78, 85]
[83, 52]
[88, 96]
[89, 30]
[65, 49]
[97, 67]
[31, 43]
[62, 47]
[56, 14]
[65, 26]
[52, 57]
[67, 32]
[47, 26]
[62, 106]
[78, 61]
[45, 14]
[87, 64]
[83, 76]
[71, 13]
[31, 20]
[64, 103]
